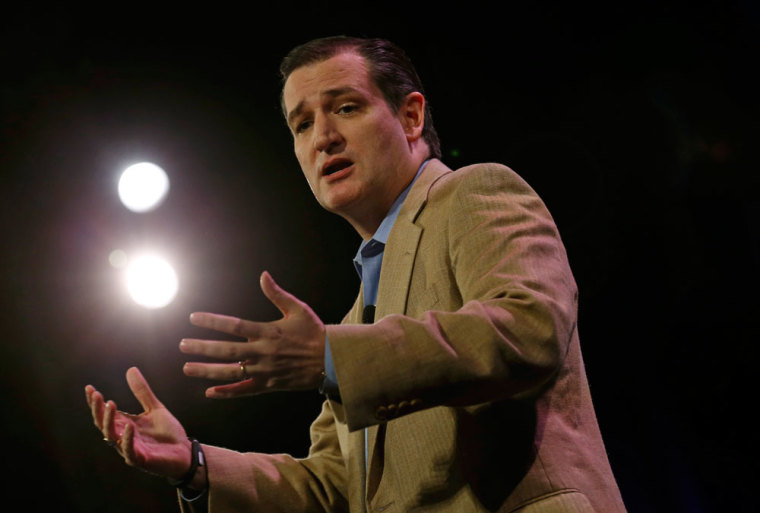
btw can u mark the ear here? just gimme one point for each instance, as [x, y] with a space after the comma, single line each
[412, 115]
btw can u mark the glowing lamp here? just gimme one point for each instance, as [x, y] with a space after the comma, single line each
[143, 186]
[151, 281]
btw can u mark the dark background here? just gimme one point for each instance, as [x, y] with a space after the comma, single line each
[636, 123]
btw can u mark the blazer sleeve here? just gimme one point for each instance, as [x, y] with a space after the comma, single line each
[491, 306]
[279, 483]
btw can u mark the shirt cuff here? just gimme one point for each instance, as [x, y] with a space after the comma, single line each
[330, 384]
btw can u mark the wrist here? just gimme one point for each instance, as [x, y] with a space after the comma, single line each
[197, 462]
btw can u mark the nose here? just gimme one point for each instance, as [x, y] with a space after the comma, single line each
[327, 137]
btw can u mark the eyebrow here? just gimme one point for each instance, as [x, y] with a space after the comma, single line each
[333, 93]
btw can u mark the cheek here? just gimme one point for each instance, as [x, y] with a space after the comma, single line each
[298, 149]
[388, 134]
[303, 159]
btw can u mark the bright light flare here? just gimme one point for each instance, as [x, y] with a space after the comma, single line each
[118, 259]
[143, 186]
[151, 281]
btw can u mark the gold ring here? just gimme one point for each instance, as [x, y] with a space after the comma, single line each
[111, 443]
[242, 368]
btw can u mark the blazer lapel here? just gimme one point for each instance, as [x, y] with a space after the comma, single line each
[401, 248]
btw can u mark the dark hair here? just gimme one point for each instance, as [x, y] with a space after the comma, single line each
[389, 67]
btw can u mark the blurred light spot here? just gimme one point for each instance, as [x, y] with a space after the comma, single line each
[143, 186]
[117, 259]
[454, 153]
[151, 281]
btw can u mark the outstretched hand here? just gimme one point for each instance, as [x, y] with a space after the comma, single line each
[286, 354]
[153, 441]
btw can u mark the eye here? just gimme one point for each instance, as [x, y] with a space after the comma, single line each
[347, 108]
[302, 126]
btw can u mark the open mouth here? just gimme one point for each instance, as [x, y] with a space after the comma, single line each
[335, 167]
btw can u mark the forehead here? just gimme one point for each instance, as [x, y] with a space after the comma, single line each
[347, 70]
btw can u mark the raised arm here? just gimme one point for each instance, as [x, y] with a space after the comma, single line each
[153, 441]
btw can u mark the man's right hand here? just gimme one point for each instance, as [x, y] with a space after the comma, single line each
[153, 441]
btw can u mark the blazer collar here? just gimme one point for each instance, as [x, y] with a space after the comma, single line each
[401, 248]
[418, 195]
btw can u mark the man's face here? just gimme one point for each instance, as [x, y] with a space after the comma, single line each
[352, 148]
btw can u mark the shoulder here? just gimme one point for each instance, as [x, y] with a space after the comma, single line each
[489, 178]
[481, 192]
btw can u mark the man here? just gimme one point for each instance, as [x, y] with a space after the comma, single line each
[454, 384]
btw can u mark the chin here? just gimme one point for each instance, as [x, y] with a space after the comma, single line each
[338, 205]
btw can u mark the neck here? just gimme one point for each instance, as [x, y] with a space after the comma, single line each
[368, 221]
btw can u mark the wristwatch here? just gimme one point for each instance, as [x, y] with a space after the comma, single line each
[196, 460]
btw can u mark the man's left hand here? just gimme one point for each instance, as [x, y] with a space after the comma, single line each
[286, 354]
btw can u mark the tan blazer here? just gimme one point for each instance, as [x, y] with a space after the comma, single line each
[471, 380]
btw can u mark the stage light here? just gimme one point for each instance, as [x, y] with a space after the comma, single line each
[143, 186]
[118, 259]
[151, 281]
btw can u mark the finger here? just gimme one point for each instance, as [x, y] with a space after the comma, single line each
[128, 445]
[284, 301]
[141, 390]
[229, 351]
[109, 429]
[221, 371]
[96, 408]
[248, 386]
[227, 324]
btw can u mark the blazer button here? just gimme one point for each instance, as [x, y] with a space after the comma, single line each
[392, 411]
[381, 413]
[403, 407]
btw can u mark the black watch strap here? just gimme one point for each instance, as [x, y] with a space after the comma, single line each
[196, 460]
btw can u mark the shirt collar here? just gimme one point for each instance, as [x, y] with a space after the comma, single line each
[384, 230]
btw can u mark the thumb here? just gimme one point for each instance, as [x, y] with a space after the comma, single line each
[284, 301]
[141, 390]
